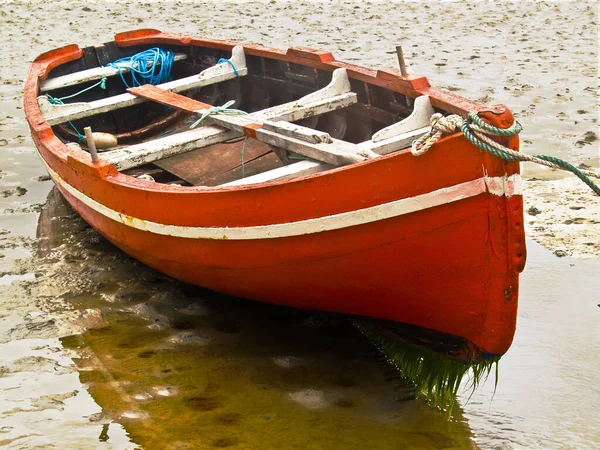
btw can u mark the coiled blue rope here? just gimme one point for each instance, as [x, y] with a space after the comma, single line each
[152, 66]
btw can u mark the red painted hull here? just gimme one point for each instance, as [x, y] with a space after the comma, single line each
[452, 268]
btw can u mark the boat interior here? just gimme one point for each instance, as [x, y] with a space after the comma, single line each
[302, 120]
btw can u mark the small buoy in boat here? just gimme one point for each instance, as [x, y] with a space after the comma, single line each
[104, 140]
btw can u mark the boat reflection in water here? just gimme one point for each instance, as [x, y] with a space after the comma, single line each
[183, 367]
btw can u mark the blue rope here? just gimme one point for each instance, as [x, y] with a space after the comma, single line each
[152, 66]
[223, 60]
[59, 101]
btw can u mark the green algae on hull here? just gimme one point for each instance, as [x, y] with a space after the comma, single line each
[434, 376]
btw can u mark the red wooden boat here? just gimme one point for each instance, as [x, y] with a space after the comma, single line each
[333, 212]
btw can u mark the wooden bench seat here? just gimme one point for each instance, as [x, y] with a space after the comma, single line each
[84, 76]
[55, 114]
[334, 96]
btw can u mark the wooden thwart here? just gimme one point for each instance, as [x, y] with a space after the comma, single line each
[295, 139]
[97, 73]
[271, 127]
[168, 98]
[55, 114]
[332, 97]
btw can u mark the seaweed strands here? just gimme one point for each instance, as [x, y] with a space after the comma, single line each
[435, 376]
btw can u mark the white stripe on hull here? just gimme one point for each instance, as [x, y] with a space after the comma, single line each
[495, 185]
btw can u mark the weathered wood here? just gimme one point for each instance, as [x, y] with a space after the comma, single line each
[174, 144]
[419, 118]
[294, 170]
[168, 98]
[210, 163]
[294, 137]
[258, 165]
[298, 132]
[337, 153]
[401, 62]
[394, 143]
[305, 141]
[55, 114]
[139, 154]
[90, 143]
[97, 73]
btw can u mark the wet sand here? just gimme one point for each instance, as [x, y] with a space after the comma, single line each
[540, 59]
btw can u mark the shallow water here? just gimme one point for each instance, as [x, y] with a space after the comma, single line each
[183, 367]
[169, 365]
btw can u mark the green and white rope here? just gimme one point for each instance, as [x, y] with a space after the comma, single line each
[478, 133]
[225, 109]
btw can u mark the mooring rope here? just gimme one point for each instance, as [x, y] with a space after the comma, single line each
[478, 132]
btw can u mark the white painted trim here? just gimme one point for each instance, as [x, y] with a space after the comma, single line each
[419, 118]
[302, 227]
[508, 186]
[294, 170]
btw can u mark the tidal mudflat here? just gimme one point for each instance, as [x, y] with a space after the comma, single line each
[97, 351]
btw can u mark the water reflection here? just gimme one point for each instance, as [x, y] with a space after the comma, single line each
[181, 367]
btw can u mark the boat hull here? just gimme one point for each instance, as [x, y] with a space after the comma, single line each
[434, 241]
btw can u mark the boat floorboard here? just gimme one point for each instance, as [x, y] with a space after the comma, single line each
[221, 163]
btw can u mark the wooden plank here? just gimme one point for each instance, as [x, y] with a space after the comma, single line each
[168, 98]
[294, 170]
[419, 118]
[84, 76]
[394, 143]
[337, 153]
[298, 132]
[174, 144]
[55, 114]
[139, 154]
[256, 166]
[294, 137]
[200, 166]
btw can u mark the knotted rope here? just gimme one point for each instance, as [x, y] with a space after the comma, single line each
[478, 133]
[225, 109]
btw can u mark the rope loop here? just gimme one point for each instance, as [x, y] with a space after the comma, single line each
[513, 130]
[225, 109]
[478, 133]
[440, 125]
[223, 60]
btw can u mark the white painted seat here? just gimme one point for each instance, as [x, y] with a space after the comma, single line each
[392, 138]
[221, 127]
[55, 114]
[84, 76]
